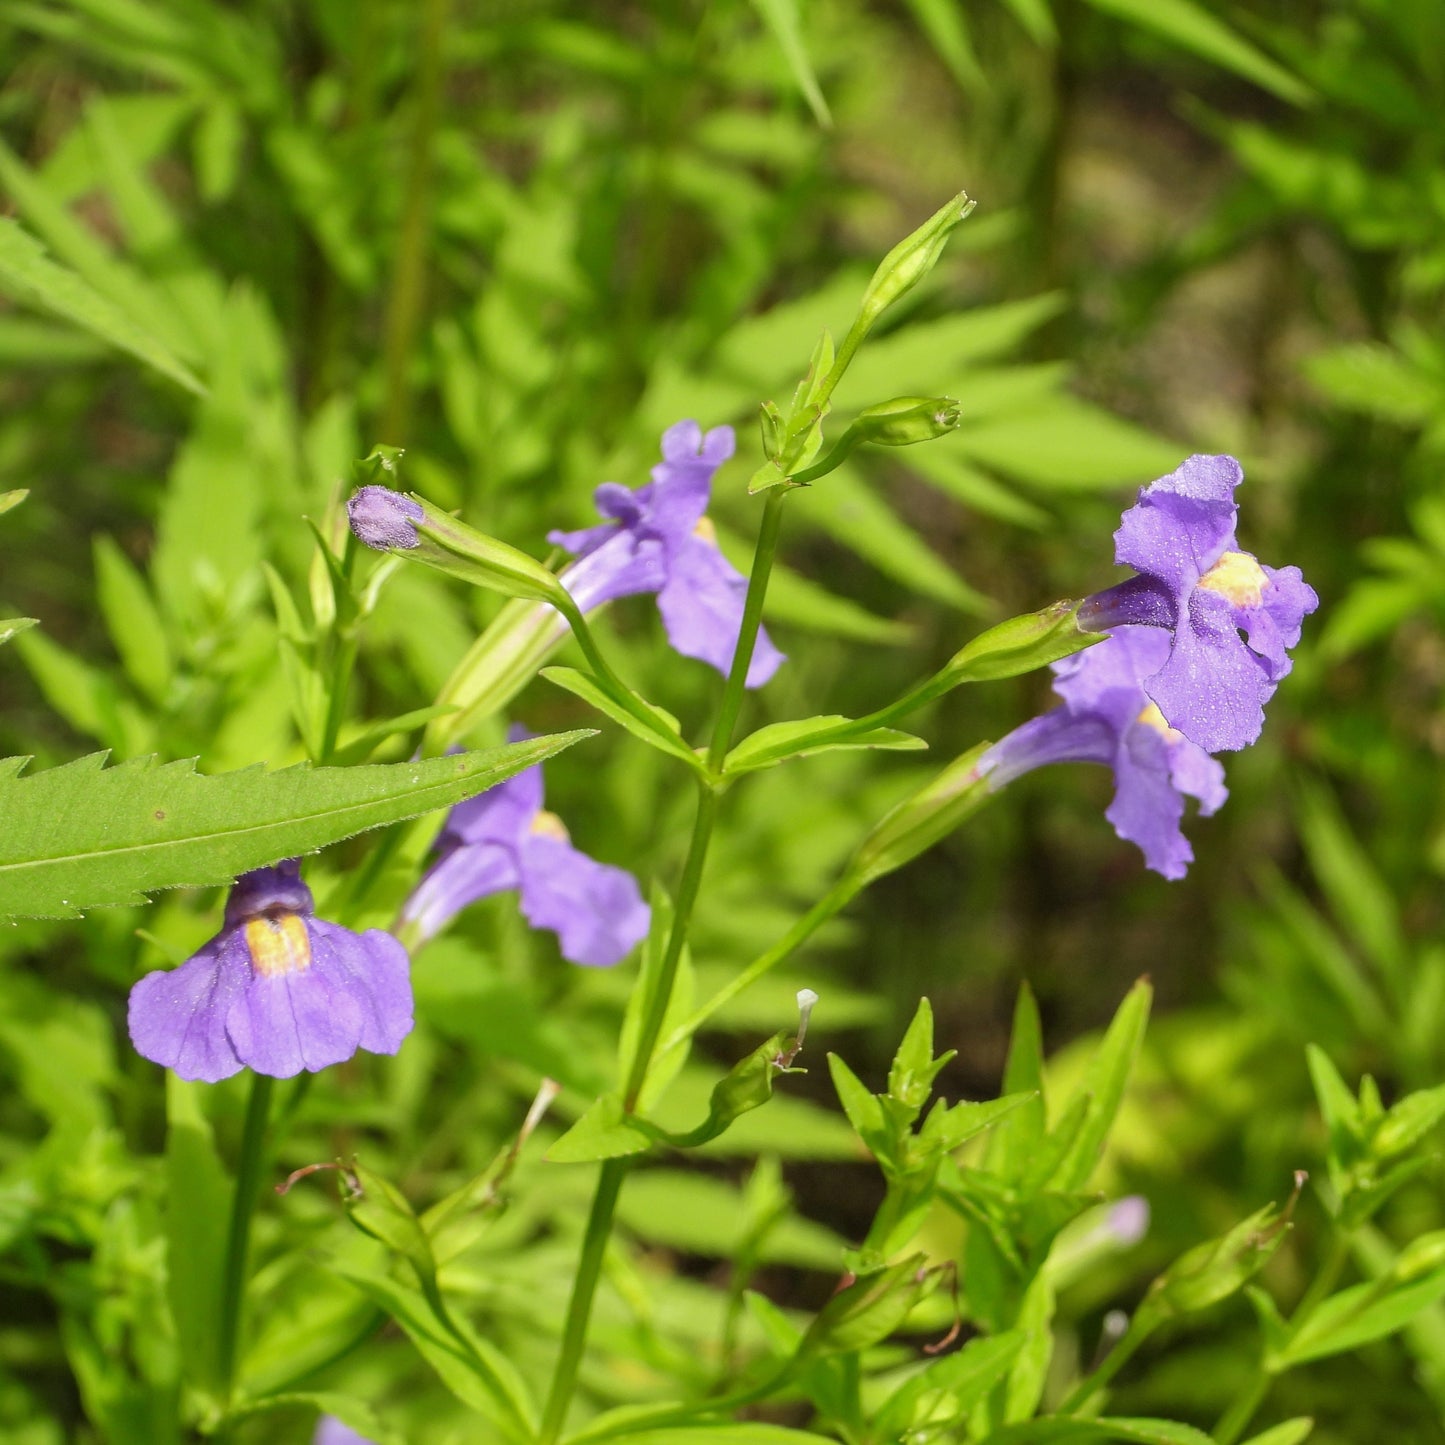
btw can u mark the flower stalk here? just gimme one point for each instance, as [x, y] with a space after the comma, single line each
[238, 1236]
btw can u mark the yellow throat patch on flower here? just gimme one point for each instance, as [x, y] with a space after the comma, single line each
[278, 946]
[1238, 578]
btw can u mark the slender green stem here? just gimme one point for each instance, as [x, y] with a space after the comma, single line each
[579, 1308]
[1236, 1418]
[609, 1182]
[1140, 1328]
[238, 1239]
[732, 700]
[687, 890]
[836, 898]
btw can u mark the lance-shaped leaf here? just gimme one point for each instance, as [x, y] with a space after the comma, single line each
[87, 836]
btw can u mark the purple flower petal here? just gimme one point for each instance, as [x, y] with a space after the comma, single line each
[177, 1016]
[373, 970]
[502, 840]
[702, 610]
[287, 1022]
[330, 1431]
[596, 911]
[465, 874]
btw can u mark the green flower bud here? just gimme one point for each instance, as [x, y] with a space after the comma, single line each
[911, 259]
[897, 423]
[918, 822]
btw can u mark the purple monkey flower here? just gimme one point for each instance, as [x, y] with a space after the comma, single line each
[331, 1431]
[657, 539]
[503, 839]
[1106, 717]
[277, 990]
[1213, 683]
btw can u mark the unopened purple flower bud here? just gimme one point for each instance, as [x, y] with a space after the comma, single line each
[1128, 1220]
[331, 1431]
[384, 519]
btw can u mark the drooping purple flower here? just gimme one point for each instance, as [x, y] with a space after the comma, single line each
[1106, 717]
[504, 839]
[1194, 581]
[277, 990]
[658, 539]
[331, 1431]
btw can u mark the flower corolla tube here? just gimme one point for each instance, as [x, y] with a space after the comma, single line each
[1230, 619]
[658, 539]
[1106, 717]
[277, 990]
[504, 839]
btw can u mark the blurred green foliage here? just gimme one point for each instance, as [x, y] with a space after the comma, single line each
[244, 242]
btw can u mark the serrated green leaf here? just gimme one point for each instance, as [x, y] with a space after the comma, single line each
[864, 1111]
[29, 276]
[780, 742]
[86, 836]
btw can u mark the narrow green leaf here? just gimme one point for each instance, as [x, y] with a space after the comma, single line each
[1288, 1432]
[9, 626]
[198, 1197]
[854, 514]
[132, 620]
[964, 1377]
[86, 836]
[346, 1408]
[475, 1371]
[798, 601]
[664, 731]
[1362, 1313]
[783, 20]
[1071, 1430]
[603, 1132]
[1194, 28]
[780, 742]
[29, 276]
[1013, 1142]
[1104, 1082]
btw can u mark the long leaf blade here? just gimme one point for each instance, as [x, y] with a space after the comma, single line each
[86, 836]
